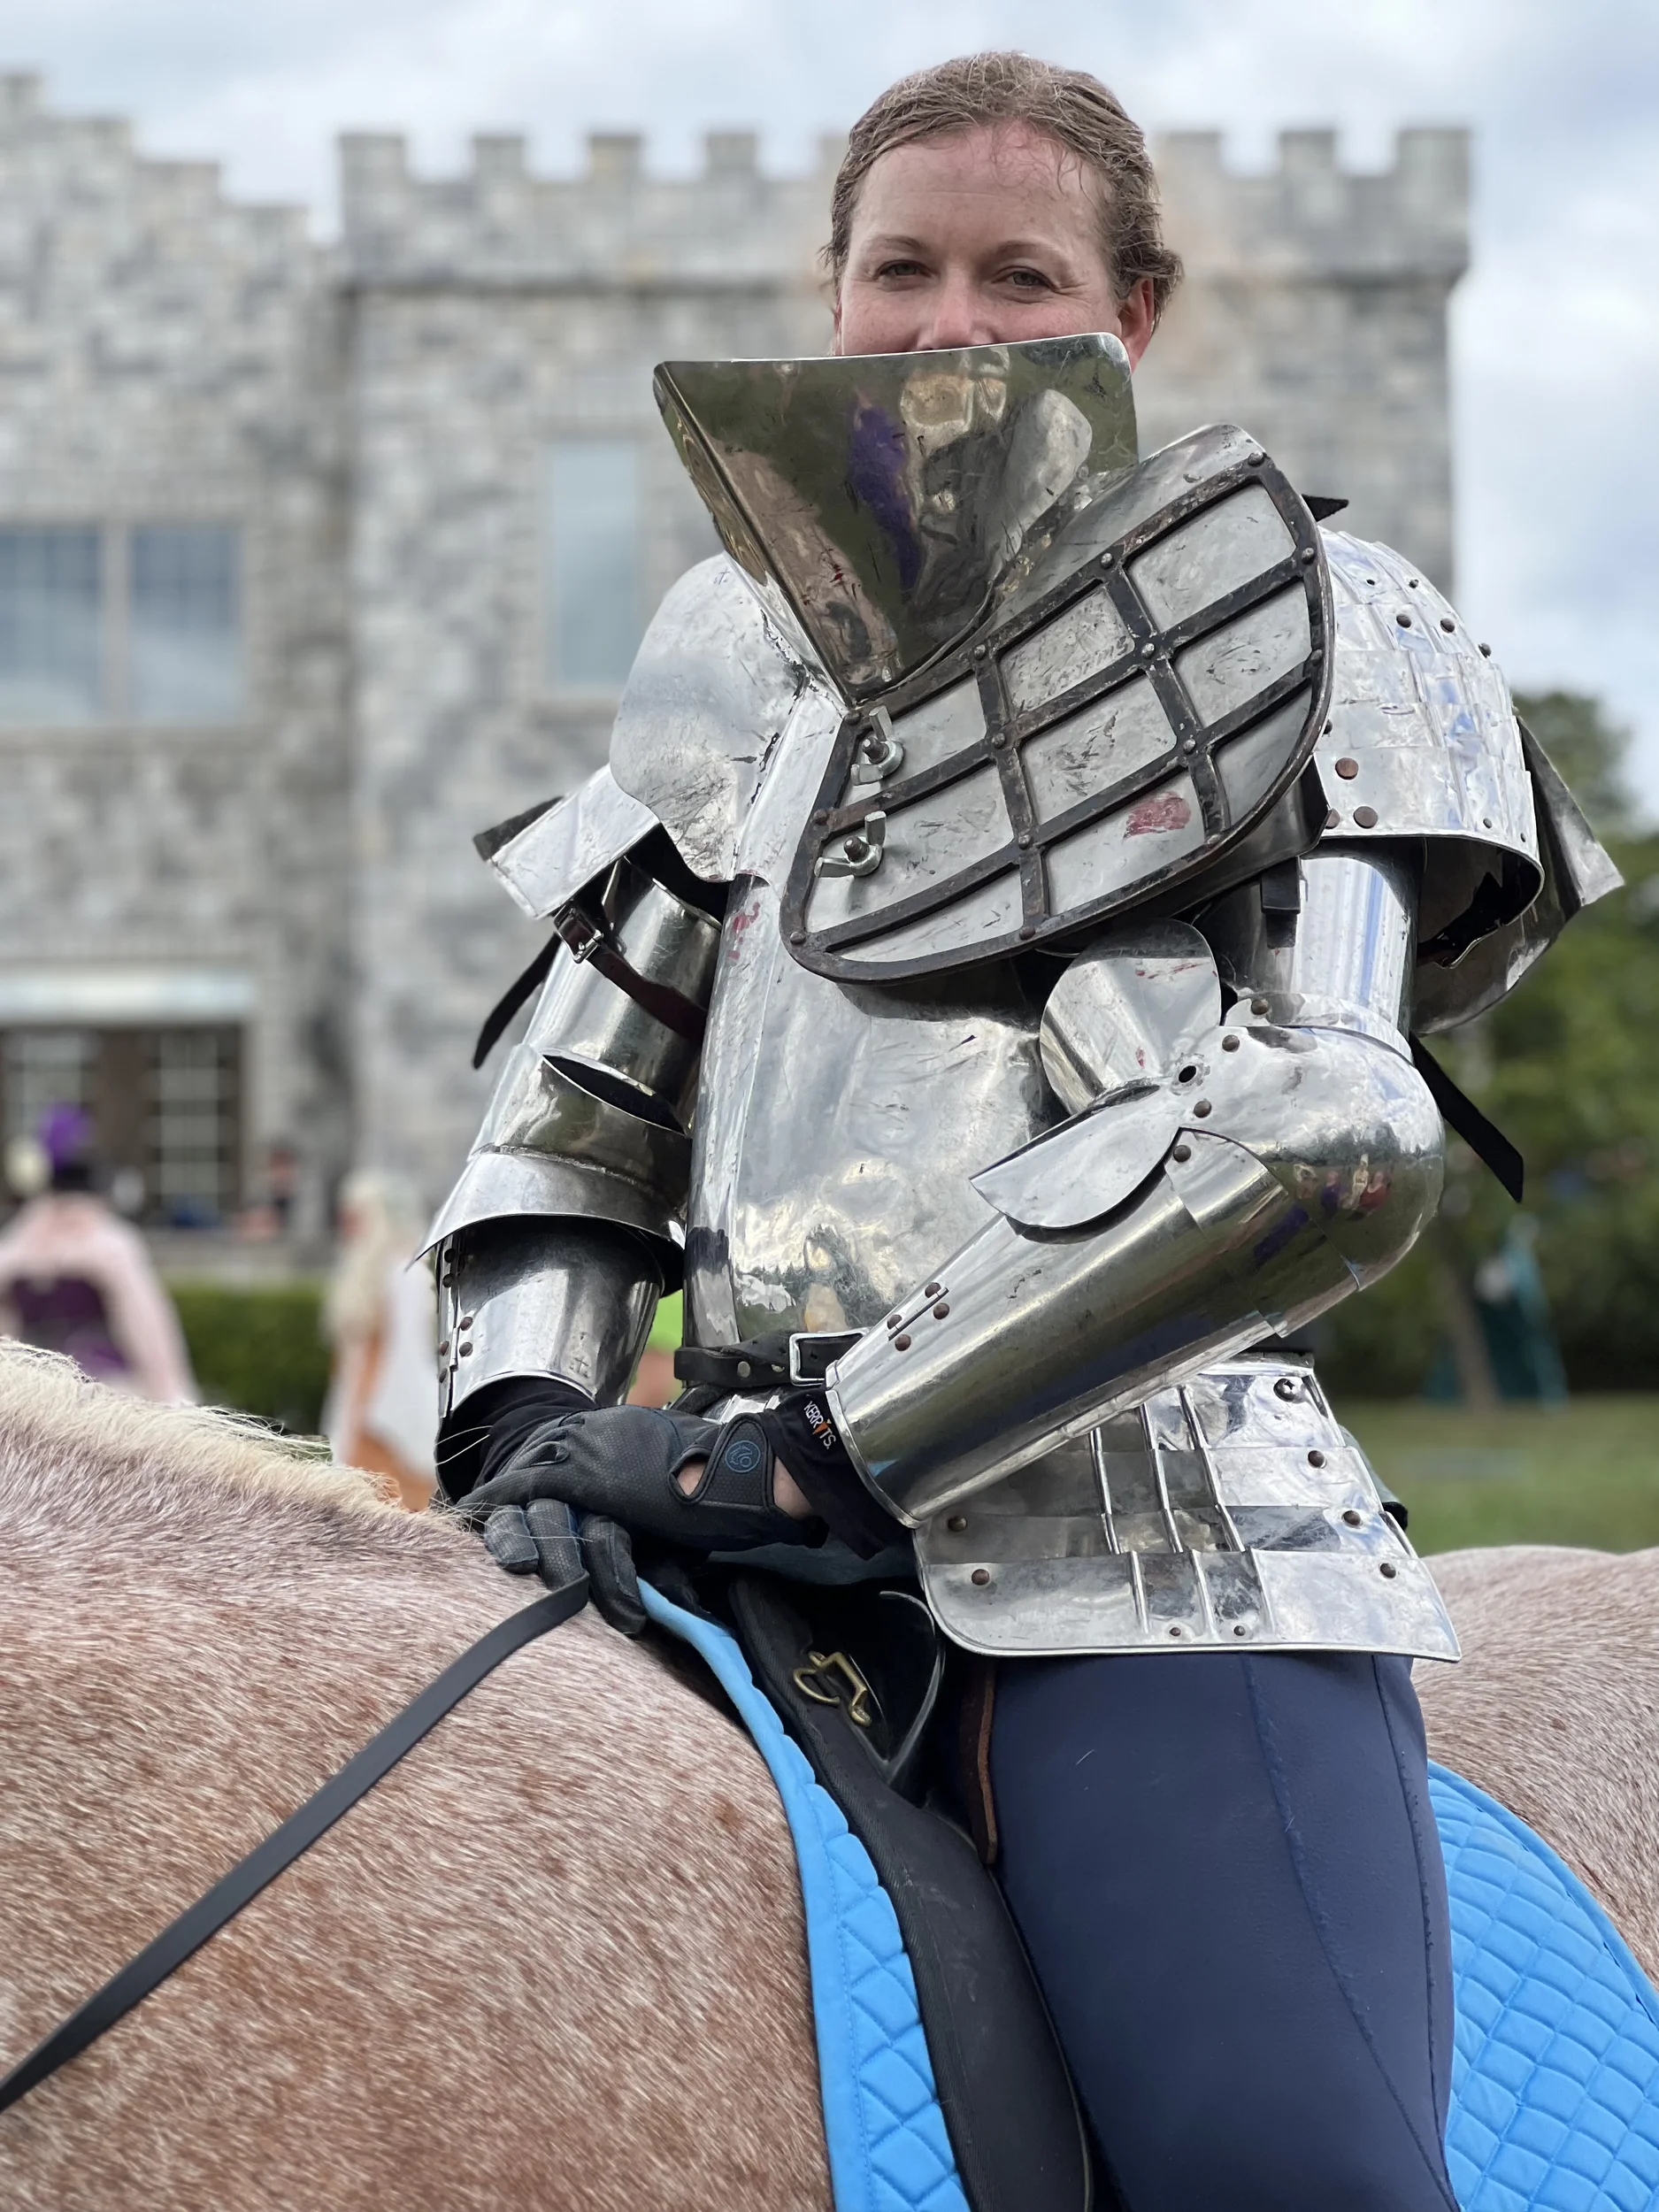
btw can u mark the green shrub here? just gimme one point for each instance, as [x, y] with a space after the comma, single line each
[259, 1348]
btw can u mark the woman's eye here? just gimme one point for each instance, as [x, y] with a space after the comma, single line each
[900, 269]
[1029, 279]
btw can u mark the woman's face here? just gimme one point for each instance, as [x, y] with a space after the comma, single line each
[983, 238]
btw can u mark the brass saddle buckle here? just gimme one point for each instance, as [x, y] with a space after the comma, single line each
[815, 1679]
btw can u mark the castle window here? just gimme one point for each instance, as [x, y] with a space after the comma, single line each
[51, 626]
[120, 625]
[183, 643]
[594, 613]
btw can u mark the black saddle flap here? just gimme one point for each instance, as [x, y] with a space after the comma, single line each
[1003, 2084]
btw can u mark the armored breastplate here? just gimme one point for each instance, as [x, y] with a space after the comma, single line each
[836, 1127]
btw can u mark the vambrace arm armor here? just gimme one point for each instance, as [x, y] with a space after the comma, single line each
[1223, 1178]
[563, 1230]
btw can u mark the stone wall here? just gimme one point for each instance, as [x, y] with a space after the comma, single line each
[167, 356]
[375, 416]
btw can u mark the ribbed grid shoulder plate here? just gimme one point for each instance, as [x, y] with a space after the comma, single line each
[1101, 744]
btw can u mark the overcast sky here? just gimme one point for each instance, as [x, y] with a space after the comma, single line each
[1555, 330]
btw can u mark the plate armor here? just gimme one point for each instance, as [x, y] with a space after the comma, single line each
[989, 960]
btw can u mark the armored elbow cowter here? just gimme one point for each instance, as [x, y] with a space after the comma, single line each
[1248, 1174]
[563, 1229]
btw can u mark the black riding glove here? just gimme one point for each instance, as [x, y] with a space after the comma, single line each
[581, 1484]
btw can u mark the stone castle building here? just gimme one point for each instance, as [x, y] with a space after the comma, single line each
[316, 559]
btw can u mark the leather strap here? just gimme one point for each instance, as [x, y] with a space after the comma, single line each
[589, 939]
[1460, 1112]
[193, 1927]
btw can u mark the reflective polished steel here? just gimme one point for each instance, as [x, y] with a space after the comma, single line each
[568, 1299]
[1577, 872]
[836, 1128]
[1339, 958]
[1229, 1512]
[594, 1031]
[880, 503]
[1126, 1006]
[705, 702]
[1068, 1200]
[1154, 695]
[561, 852]
[1308, 1162]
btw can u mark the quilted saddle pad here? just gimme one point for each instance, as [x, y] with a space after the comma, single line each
[1554, 2073]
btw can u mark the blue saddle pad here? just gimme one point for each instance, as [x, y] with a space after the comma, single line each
[1554, 2075]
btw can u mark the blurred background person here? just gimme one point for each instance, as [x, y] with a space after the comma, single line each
[381, 1411]
[75, 1277]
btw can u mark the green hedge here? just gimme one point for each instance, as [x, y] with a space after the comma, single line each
[259, 1349]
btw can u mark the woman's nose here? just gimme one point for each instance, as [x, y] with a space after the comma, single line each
[957, 316]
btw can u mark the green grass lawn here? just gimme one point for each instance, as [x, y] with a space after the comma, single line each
[1586, 1472]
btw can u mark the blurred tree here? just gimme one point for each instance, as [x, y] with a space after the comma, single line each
[1567, 1066]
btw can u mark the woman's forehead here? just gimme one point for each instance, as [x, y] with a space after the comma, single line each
[1008, 168]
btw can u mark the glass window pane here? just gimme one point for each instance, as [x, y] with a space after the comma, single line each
[191, 1132]
[51, 606]
[184, 636]
[45, 1068]
[592, 535]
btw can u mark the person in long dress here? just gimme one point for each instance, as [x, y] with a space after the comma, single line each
[76, 1279]
[381, 1412]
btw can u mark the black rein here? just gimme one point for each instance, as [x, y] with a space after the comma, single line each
[338, 1794]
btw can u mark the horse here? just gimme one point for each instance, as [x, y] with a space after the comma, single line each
[558, 1956]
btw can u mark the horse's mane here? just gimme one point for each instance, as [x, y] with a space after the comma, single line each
[88, 1474]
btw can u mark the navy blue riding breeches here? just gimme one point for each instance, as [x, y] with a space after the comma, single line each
[1227, 1875]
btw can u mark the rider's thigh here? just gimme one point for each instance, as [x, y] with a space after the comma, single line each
[1227, 1873]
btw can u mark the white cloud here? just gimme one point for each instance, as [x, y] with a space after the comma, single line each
[1557, 328]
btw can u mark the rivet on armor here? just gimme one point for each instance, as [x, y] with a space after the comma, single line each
[1388, 1570]
[1202, 1108]
[1259, 1005]
[1000, 738]
[1332, 819]
[1306, 552]
[1316, 652]
[1148, 651]
[1447, 624]
[1107, 559]
[978, 652]
[463, 1351]
[465, 1322]
[1028, 930]
[1254, 460]
[901, 1343]
[443, 1349]
[894, 1320]
[1316, 1459]
[1405, 620]
[1347, 769]
[1189, 745]
[979, 1577]
[933, 1290]
[1182, 1152]
[1286, 1387]
[1485, 652]
[1176, 1628]
[1411, 583]
[1025, 839]
[1231, 1042]
[956, 1524]
[1351, 1517]
[744, 1370]
[940, 1310]
[820, 817]
[1366, 817]
[1486, 821]
[1238, 1629]
[797, 937]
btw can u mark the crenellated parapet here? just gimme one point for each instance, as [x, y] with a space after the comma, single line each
[616, 227]
[1311, 218]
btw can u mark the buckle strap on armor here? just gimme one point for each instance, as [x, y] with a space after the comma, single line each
[589, 939]
[767, 1362]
